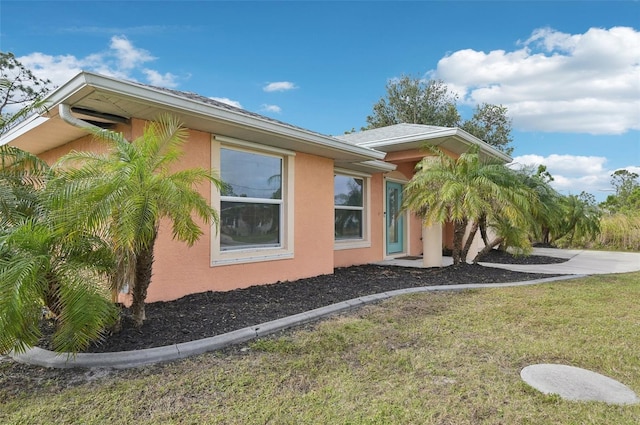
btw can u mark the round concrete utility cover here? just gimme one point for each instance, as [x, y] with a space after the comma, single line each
[574, 383]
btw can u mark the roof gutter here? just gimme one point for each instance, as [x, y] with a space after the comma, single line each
[64, 111]
[484, 146]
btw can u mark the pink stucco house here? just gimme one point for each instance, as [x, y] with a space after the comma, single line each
[295, 203]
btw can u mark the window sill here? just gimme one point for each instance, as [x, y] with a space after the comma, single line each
[346, 244]
[252, 257]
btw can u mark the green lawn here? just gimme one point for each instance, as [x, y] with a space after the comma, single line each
[446, 358]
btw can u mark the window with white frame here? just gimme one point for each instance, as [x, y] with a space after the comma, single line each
[350, 215]
[255, 202]
[251, 202]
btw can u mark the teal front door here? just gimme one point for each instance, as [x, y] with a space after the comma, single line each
[394, 219]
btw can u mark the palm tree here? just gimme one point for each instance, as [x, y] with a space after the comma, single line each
[581, 218]
[21, 176]
[467, 191]
[507, 235]
[125, 192]
[45, 268]
[548, 217]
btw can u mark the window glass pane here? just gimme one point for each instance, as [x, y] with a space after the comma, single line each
[250, 175]
[348, 224]
[347, 191]
[247, 225]
[393, 215]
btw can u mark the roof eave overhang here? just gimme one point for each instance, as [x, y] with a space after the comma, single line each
[31, 122]
[85, 84]
[437, 138]
[373, 166]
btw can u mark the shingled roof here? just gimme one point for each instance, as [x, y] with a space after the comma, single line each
[406, 136]
[390, 132]
[209, 101]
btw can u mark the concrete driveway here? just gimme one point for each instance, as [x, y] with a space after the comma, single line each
[579, 262]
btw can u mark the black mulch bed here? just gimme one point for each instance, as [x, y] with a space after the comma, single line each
[212, 313]
[501, 257]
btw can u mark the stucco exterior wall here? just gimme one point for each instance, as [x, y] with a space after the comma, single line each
[180, 270]
[405, 162]
[87, 143]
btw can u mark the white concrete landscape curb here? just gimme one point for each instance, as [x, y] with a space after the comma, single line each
[129, 359]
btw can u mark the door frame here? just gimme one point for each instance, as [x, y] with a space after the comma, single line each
[405, 221]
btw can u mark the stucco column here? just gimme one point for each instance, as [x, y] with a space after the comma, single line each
[432, 245]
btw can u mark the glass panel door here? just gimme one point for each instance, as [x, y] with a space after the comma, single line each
[395, 219]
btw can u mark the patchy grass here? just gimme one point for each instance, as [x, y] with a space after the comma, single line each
[444, 358]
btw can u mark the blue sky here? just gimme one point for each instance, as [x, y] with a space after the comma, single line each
[568, 72]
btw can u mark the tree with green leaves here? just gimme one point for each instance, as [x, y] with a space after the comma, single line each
[491, 124]
[415, 101]
[624, 182]
[21, 91]
[627, 193]
[467, 191]
[124, 194]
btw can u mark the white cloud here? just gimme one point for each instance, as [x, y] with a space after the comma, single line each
[556, 82]
[574, 173]
[279, 86]
[228, 101]
[162, 80]
[567, 164]
[58, 69]
[121, 60]
[126, 55]
[271, 108]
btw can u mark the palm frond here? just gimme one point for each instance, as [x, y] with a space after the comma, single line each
[76, 329]
[24, 262]
[467, 189]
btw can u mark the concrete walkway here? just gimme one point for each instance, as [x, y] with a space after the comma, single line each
[580, 263]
